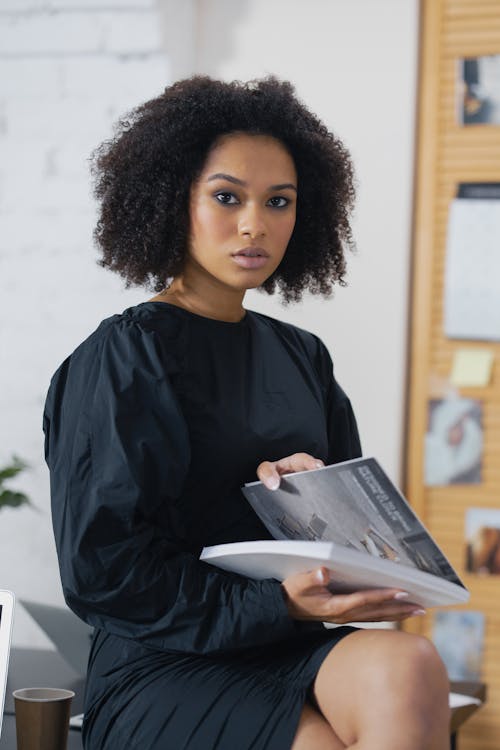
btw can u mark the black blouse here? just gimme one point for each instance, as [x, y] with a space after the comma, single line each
[151, 427]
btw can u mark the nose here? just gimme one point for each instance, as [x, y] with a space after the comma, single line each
[251, 223]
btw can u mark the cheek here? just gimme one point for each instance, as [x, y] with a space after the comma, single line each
[209, 221]
[286, 228]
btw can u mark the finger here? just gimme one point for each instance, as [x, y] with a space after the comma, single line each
[269, 472]
[395, 612]
[298, 462]
[268, 475]
[385, 616]
[369, 598]
[362, 605]
[380, 615]
[369, 616]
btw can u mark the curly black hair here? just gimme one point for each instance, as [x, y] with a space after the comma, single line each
[143, 176]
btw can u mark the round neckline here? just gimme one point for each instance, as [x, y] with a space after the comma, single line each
[158, 303]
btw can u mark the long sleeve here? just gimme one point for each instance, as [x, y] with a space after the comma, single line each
[117, 447]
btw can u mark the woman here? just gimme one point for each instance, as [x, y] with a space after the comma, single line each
[155, 422]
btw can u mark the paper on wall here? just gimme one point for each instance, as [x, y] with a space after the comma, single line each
[472, 277]
[472, 368]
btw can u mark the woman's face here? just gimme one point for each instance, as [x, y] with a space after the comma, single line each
[244, 199]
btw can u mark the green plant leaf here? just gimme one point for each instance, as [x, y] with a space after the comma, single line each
[13, 499]
[17, 465]
[9, 498]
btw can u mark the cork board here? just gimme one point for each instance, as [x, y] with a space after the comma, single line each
[449, 153]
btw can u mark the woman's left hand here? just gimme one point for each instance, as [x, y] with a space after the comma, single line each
[269, 472]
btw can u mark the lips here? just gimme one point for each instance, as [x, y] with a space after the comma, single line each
[251, 257]
[252, 252]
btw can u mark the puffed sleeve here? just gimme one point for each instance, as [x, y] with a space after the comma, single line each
[343, 435]
[118, 451]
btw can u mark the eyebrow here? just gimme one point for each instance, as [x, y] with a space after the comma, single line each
[236, 181]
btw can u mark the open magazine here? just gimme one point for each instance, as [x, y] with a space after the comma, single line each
[350, 518]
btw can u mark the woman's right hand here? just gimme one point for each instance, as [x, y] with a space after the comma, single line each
[308, 598]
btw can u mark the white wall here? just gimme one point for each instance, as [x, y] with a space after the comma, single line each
[68, 69]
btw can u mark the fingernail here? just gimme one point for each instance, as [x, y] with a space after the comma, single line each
[321, 576]
[419, 612]
[319, 464]
[273, 483]
[401, 595]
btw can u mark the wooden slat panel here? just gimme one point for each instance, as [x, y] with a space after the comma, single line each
[448, 154]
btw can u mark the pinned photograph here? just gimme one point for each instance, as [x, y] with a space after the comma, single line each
[479, 90]
[453, 442]
[482, 530]
[458, 637]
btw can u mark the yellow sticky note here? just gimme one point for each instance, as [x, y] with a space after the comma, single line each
[472, 367]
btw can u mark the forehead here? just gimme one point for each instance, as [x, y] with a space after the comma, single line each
[243, 155]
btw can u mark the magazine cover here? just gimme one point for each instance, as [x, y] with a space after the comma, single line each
[354, 504]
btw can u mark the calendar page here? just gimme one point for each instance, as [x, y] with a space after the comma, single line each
[472, 276]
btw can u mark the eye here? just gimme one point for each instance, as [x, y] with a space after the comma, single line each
[226, 198]
[278, 201]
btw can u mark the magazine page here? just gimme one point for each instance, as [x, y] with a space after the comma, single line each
[354, 504]
[350, 570]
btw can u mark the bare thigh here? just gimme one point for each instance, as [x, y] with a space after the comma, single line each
[380, 688]
[314, 732]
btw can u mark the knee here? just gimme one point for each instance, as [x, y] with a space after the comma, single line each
[393, 679]
[415, 673]
[423, 661]
[407, 664]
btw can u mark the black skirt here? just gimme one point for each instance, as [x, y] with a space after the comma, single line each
[141, 698]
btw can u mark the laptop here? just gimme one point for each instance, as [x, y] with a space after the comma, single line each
[6, 616]
[70, 635]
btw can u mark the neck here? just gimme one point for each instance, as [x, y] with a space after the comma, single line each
[207, 302]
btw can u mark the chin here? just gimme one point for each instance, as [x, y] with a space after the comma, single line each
[258, 284]
[248, 281]
[255, 284]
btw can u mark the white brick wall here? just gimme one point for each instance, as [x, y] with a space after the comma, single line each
[68, 70]
[32, 6]
[79, 32]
